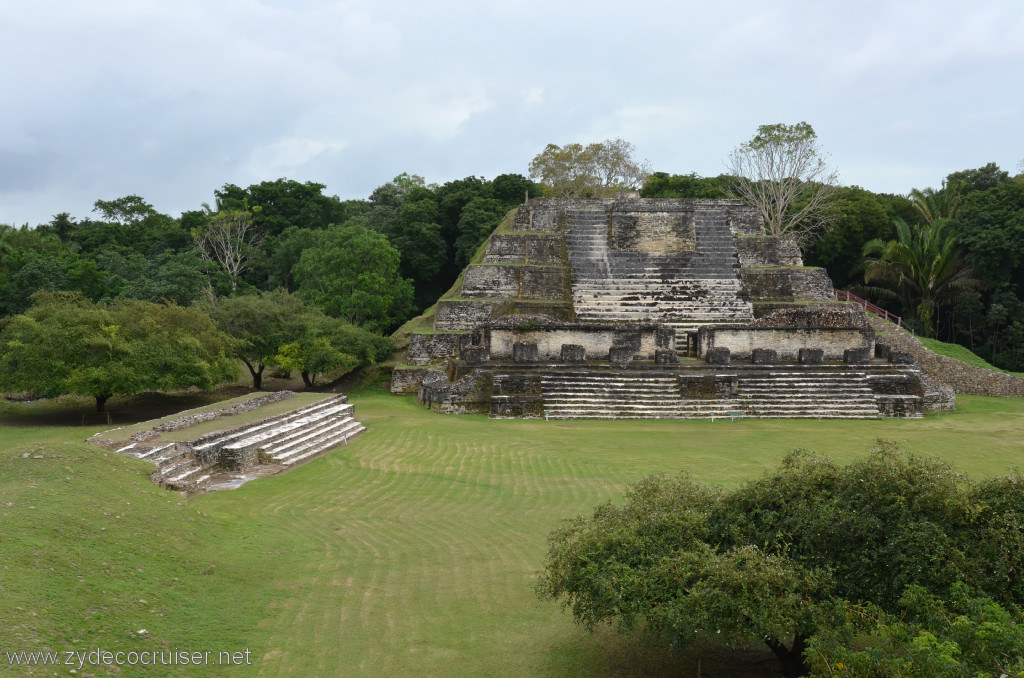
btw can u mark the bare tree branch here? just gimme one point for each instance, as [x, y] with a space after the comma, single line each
[782, 172]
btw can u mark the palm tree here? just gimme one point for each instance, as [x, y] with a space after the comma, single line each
[942, 204]
[923, 268]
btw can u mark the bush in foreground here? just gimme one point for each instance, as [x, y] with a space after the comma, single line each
[782, 559]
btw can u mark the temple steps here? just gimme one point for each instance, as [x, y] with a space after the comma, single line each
[815, 394]
[288, 439]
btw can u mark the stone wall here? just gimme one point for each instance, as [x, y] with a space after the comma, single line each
[767, 250]
[526, 248]
[958, 375]
[406, 380]
[652, 232]
[788, 284]
[457, 315]
[786, 341]
[597, 341]
[423, 348]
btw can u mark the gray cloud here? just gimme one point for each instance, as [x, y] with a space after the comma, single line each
[171, 100]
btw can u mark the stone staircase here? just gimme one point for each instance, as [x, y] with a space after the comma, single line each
[810, 394]
[593, 394]
[683, 290]
[287, 439]
[800, 393]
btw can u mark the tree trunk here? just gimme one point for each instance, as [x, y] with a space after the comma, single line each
[792, 659]
[306, 380]
[257, 374]
[101, 402]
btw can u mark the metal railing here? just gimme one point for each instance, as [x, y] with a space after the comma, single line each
[874, 309]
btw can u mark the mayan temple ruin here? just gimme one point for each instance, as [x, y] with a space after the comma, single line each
[634, 308]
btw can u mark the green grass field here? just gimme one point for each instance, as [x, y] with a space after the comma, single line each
[409, 552]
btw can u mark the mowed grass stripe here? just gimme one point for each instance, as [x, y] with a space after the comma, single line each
[410, 551]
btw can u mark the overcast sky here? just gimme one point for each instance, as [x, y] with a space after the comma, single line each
[172, 99]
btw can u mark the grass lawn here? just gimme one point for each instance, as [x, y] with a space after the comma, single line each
[409, 552]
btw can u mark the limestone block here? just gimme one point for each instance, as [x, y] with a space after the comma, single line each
[425, 347]
[545, 249]
[767, 250]
[505, 249]
[543, 282]
[666, 356]
[405, 381]
[524, 352]
[882, 350]
[491, 281]
[856, 356]
[475, 355]
[620, 356]
[764, 356]
[717, 356]
[573, 353]
[811, 356]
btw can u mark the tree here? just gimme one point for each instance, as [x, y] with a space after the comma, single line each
[260, 323]
[330, 345]
[598, 170]
[352, 274]
[859, 217]
[230, 239]
[980, 179]
[688, 186]
[277, 205]
[65, 344]
[783, 173]
[782, 559]
[923, 267]
[933, 205]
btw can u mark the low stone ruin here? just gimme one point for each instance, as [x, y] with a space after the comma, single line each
[280, 441]
[652, 308]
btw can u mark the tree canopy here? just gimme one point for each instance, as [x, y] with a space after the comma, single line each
[783, 173]
[782, 559]
[597, 170]
[66, 344]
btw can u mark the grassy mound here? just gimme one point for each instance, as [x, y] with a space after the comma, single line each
[961, 353]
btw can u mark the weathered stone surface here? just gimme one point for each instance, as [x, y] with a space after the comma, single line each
[620, 356]
[406, 381]
[717, 356]
[946, 371]
[652, 232]
[898, 358]
[491, 281]
[506, 249]
[764, 356]
[573, 353]
[424, 348]
[857, 356]
[188, 420]
[666, 356]
[474, 355]
[788, 284]
[786, 341]
[767, 250]
[524, 352]
[811, 356]
[543, 282]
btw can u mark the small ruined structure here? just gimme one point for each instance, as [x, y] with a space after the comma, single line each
[632, 308]
[273, 443]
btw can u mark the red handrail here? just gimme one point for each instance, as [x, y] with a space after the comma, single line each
[843, 295]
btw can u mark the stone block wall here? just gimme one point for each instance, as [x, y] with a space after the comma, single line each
[595, 340]
[785, 341]
[788, 284]
[767, 250]
[457, 315]
[423, 348]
